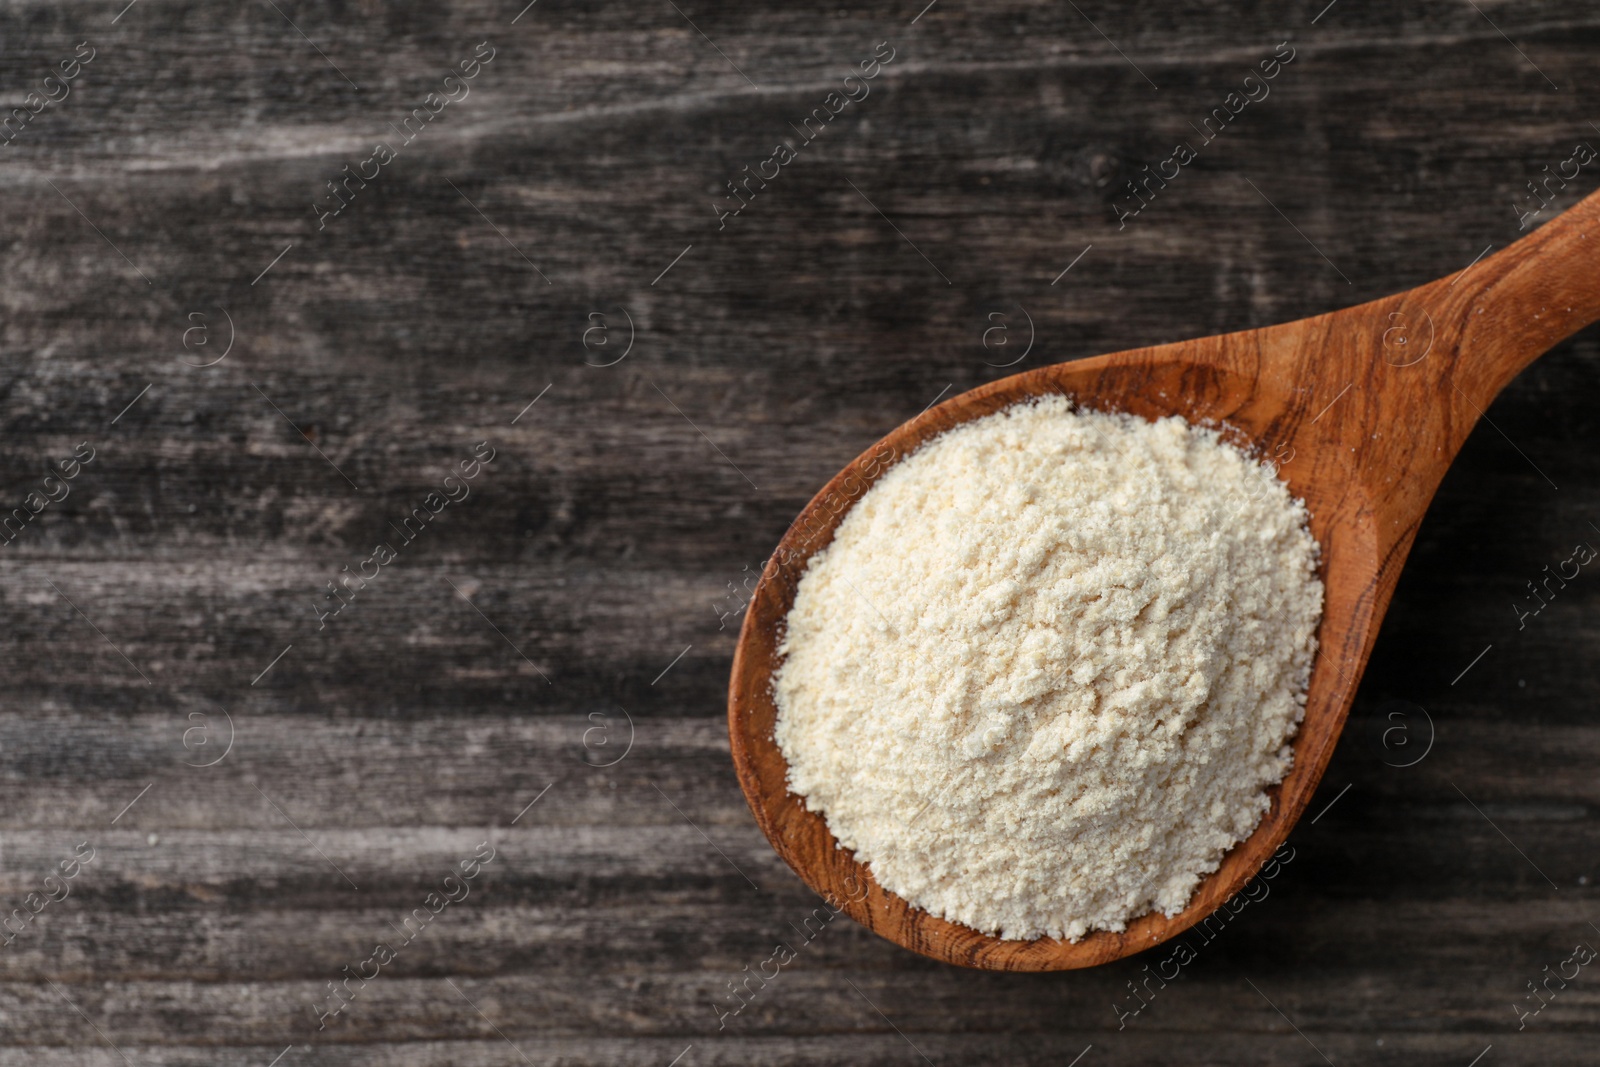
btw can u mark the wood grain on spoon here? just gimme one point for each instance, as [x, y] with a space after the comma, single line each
[1364, 409]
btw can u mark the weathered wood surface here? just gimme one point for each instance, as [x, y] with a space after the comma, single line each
[602, 538]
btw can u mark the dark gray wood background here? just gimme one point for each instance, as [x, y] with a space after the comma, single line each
[598, 549]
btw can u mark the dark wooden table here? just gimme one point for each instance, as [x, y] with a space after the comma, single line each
[268, 792]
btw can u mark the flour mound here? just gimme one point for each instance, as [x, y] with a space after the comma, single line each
[1044, 672]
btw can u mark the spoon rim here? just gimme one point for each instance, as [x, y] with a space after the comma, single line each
[801, 836]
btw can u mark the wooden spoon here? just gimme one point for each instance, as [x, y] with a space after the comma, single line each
[1364, 409]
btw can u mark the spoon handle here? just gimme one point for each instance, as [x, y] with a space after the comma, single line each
[1514, 306]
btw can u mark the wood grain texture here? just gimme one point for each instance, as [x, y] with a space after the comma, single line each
[602, 539]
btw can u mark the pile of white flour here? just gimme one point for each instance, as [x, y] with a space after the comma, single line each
[1044, 672]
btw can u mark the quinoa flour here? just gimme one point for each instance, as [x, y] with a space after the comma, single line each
[1047, 667]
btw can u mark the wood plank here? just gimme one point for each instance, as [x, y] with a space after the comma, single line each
[602, 539]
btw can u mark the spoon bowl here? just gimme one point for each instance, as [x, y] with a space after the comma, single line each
[1360, 411]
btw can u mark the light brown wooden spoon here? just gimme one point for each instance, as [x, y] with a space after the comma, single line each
[1364, 408]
